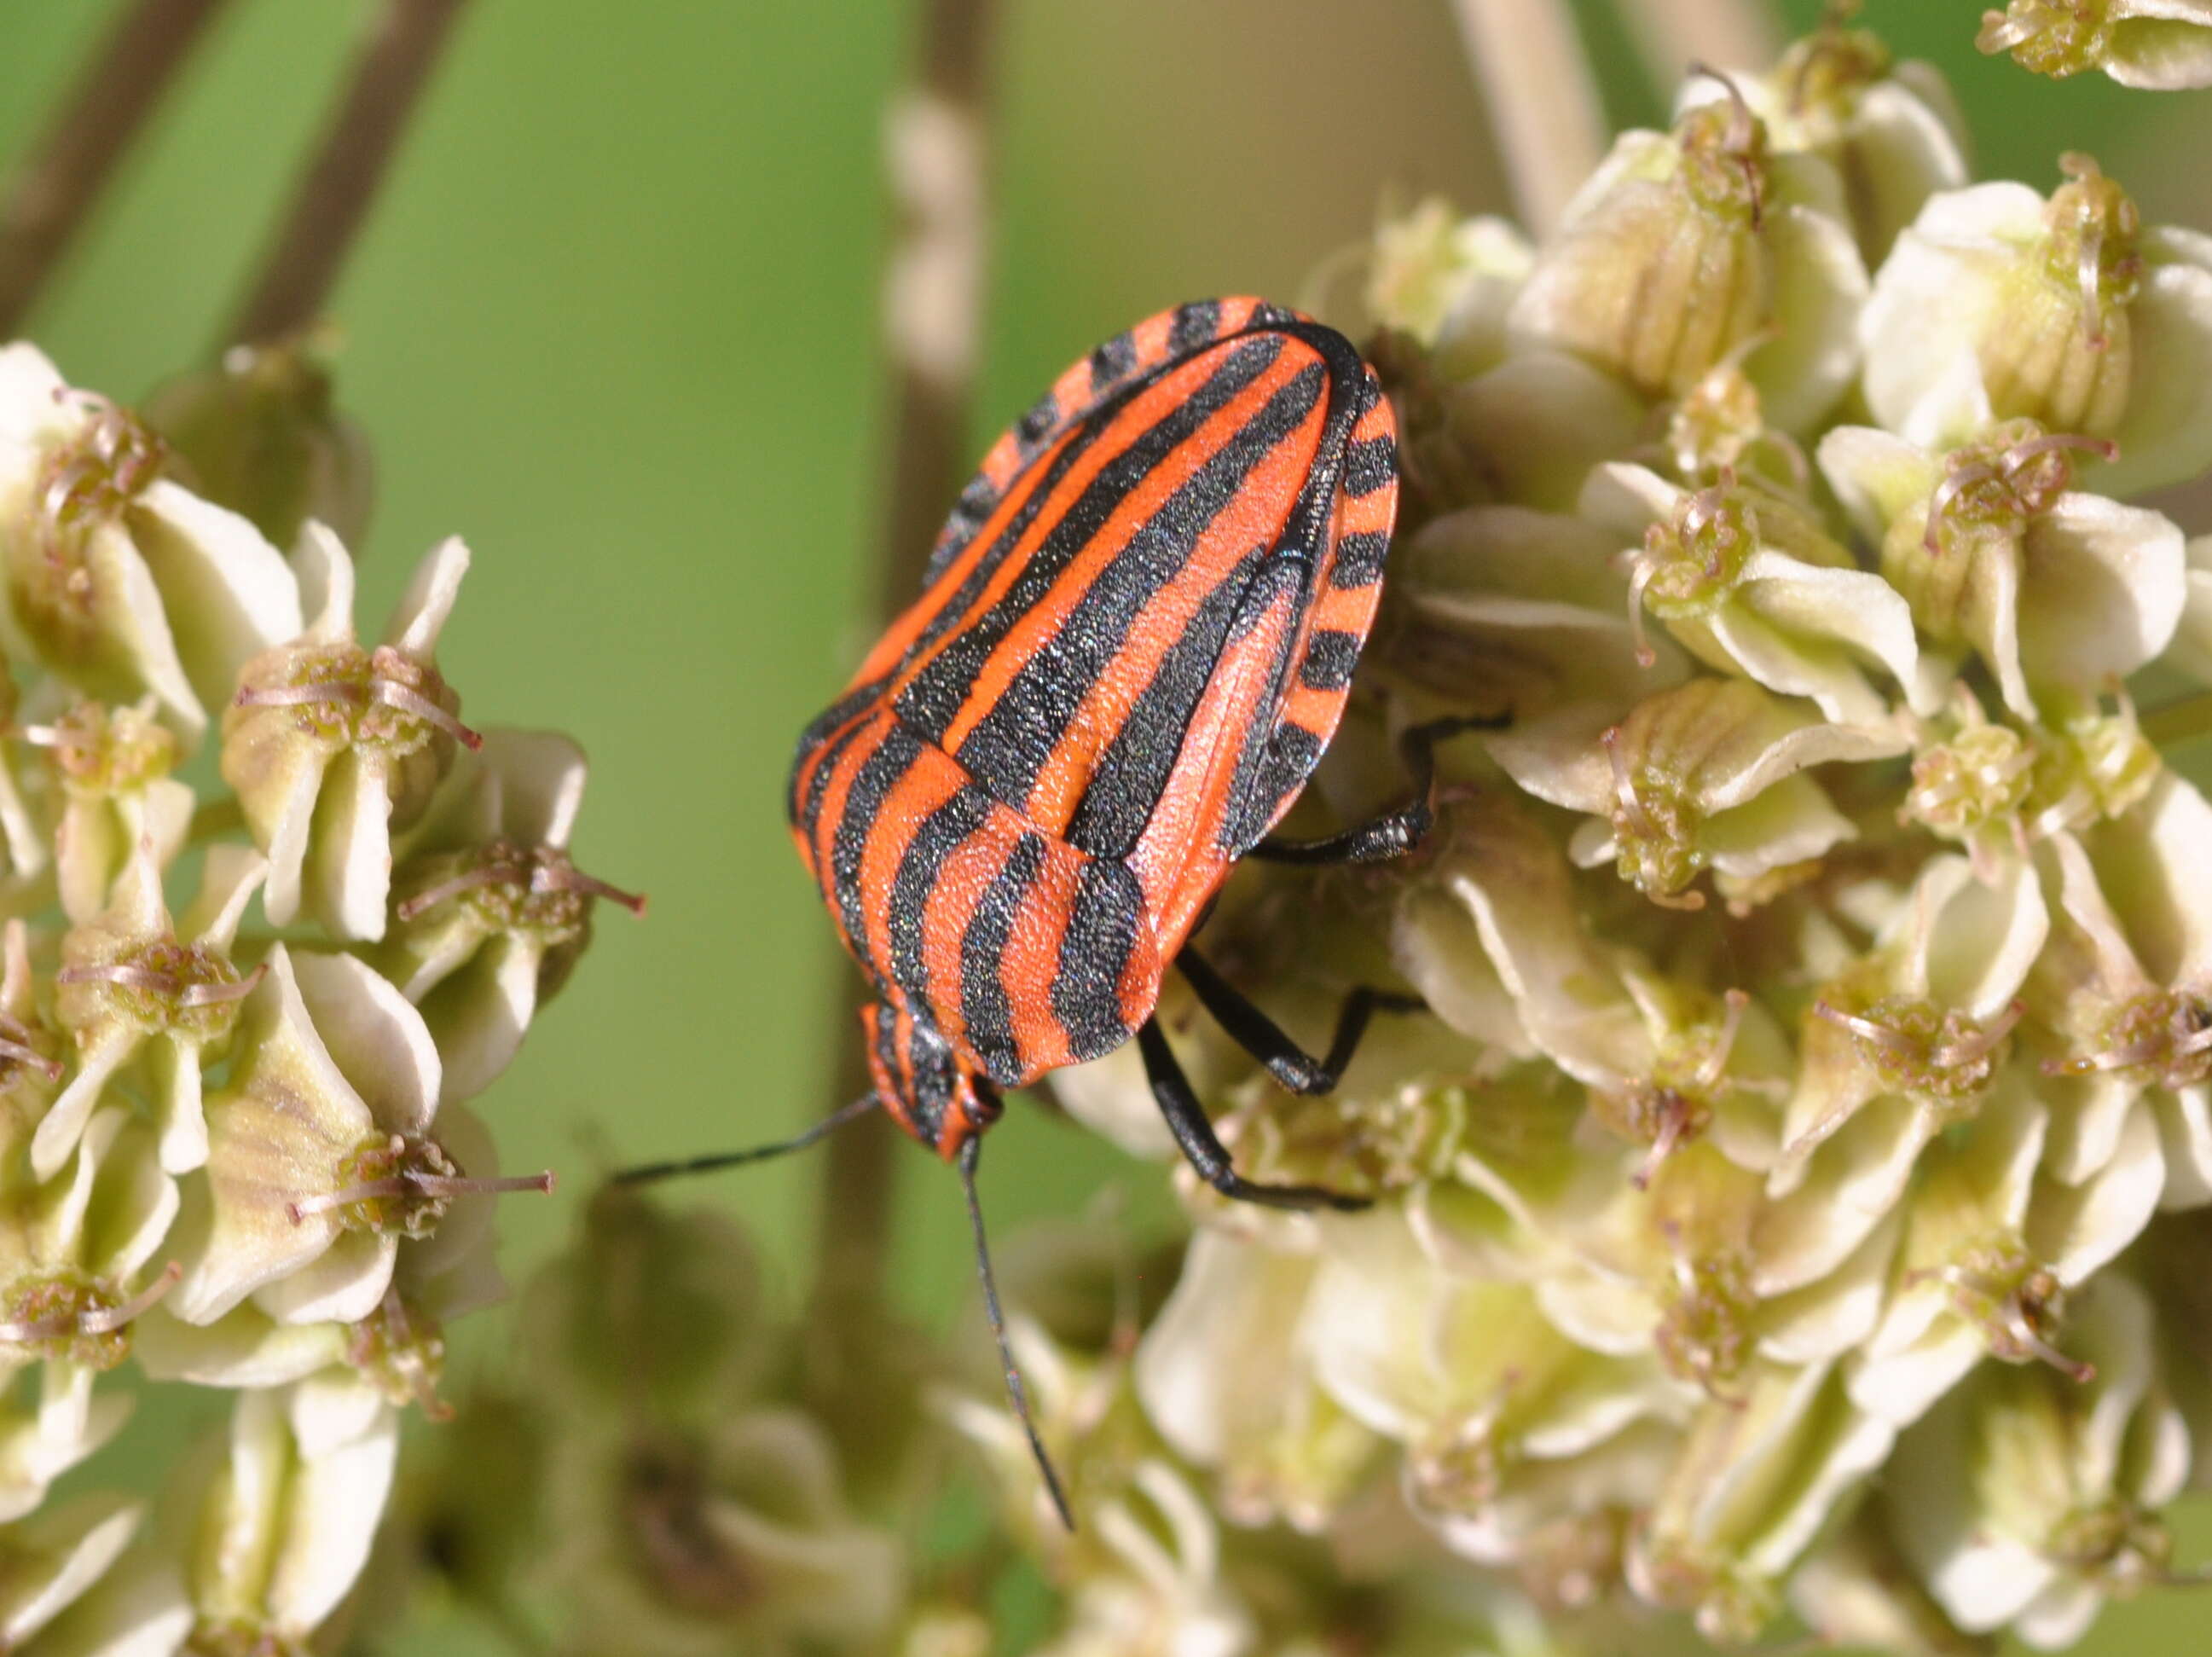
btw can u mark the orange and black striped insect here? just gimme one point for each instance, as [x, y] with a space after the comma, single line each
[1136, 637]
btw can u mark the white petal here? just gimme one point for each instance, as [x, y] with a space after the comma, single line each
[2101, 591]
[335, 1503]
[227, 592]
[420, 615]
[1224, 1339]
[1820, 285]
[342, 1284]
[1877, 478]
[324, 571]
[377, 1040]
[347, 871]
[540, 776]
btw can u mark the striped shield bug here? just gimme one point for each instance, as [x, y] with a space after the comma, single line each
[1136, 637]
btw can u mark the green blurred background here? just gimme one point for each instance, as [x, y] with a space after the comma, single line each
[614, 321]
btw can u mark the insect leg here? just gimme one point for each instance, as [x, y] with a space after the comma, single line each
[1186, 1119]
[1260, 1035]
[1016, 1394]
[1394, 833]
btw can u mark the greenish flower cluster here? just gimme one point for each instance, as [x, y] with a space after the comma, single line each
[1773, 1208]
[273, 916]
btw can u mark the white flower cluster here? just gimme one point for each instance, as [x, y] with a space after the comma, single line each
[1819, 1067]
[230, 1155]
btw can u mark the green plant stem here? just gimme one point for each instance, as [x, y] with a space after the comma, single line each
[1722, 35]
[2178, 723]
[340, 183]
[53, 189]
[937, 140]
[1541, 97]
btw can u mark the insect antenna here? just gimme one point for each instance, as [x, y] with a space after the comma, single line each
[646, 1172]
[1016, 1394]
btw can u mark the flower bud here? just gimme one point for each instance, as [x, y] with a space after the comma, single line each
[1685, 247]
[260, 434]
[2076, 314]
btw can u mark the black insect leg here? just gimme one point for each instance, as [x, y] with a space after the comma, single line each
[1394, 833]
[1260, 1035]
[1187, 1120]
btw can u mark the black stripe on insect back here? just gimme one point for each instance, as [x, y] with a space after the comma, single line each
[1360, 558]
[845, 711]
[1010, 745]
[984, 1007]
[1194, 326]
[1131, 771]
[940, 834]
[935, 694]
[879, 775]
[1369, 465]
[1330, 658]
[1112, 363]
[1101, 933]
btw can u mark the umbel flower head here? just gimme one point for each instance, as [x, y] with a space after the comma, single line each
[1818, 1015]
[227, 1160]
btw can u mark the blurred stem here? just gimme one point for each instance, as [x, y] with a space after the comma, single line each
[1541, 97]
[936, 138]
[335, 191]
[2187, 720]
[52, 190]
[1725, 35]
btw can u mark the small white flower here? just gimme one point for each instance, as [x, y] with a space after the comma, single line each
[330, 745]
[1749, 583]
[119, 579]
[1893, 129]
[2027, 1497]
[2075, 314]
[320, 1151]
[491, 912]
[1997, 552]
[1685, 247]
[1710, 776]
[133, 980]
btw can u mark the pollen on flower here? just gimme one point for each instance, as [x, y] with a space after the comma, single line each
[1997, 483]
[402, 1183]
[77, 1319]
[1654, 828]
[382, 699]
[2124, 1548]
[1982, 776]
[400, 1350]
[108, 463]
[1671, 1106]
[1463, 1463]
[1704, 1334]
[98, 751]
[1688, 568]
[1822, 74]
[2165, 1037]
[2057, 38]
[1939, 1055]
[1723, 148]
[2013, 1299]
[160, 985]
[535, 889]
